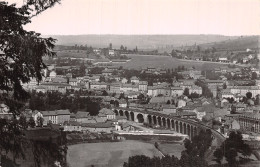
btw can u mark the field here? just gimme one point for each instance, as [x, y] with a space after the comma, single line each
[172, 149]
[164, 62]
[108, 154]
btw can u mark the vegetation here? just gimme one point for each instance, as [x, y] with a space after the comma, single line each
[233, 149]
[192, 156]
[22, 60]
[57, 101]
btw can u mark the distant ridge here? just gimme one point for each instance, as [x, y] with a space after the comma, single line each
[141, 41]
[241, 43]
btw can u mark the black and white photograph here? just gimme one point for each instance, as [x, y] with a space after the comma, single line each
[129, 83]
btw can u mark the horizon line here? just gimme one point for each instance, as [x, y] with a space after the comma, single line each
[150, 35]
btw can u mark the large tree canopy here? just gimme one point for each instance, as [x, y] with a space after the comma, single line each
[21, 54]
[22, 51]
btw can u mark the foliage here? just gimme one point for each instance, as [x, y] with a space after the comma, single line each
[31, 122]
[192, 156]
[249, 95]
[144, 161]
[186, 92]
[231, 148]
[22, 60]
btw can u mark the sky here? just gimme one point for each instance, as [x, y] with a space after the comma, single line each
[76, 17]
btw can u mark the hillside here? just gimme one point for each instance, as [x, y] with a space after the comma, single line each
[241, 43]
[141, 41]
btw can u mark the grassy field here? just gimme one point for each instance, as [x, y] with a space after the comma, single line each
[165, 62]
[108, 154]
[172, 149]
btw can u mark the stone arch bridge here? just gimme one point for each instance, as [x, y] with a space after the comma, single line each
[180, 125]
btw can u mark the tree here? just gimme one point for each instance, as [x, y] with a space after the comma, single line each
[249, 95]
[194, 154]
[31, 122]
[230, 148]
[254, 76]
[168, 102]
[102, 78]
[140, 96]
[40, 121]
[82, 69]
[23, 122]
[116, 103]
[104, 93]
[186, 92]
[22, 60]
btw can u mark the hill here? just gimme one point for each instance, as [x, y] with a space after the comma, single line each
[143, 42]
[241, 43]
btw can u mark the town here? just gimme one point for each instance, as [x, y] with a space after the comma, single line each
[99, 96]
[129, 83]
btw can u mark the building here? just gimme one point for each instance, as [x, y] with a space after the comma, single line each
[176, 91]
[109, 114]
[242, 90]
[143, 86]
[60, 87]
[250, 121]
[98, 86]
[55, 117]
[134, 79]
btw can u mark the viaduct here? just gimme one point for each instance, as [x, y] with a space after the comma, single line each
[180, 125]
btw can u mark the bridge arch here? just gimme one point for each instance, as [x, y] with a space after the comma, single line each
[188, 131]
[121, 112]
[140, 118]
[163, 122]
[132, 116]
[155, 120]
[127, 115]
[184, 128]
[116, 112]
[181, 127]
[159, 119]
[177, 126]
[168, 123]
[172, 124]
[150, 121]
[191, 132]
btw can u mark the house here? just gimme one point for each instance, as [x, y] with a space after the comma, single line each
[109, 114]
[115, 87]
[82, 117]
[53, 74]
[214, 83]
[134, 79]
[169, 108]
[40, 89]
[250, 121]
[195, 89]
[59, 80]
[124, 80]
[122, 103]
[72, 126]
[111, 52]
[176, 91]
[223, 59]
[60, 87]
[73, 82]
[143, 86]
[4, 111]
[107, 127]
[107, 72]
[36, 116]
[98, 85]
[55, 117]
